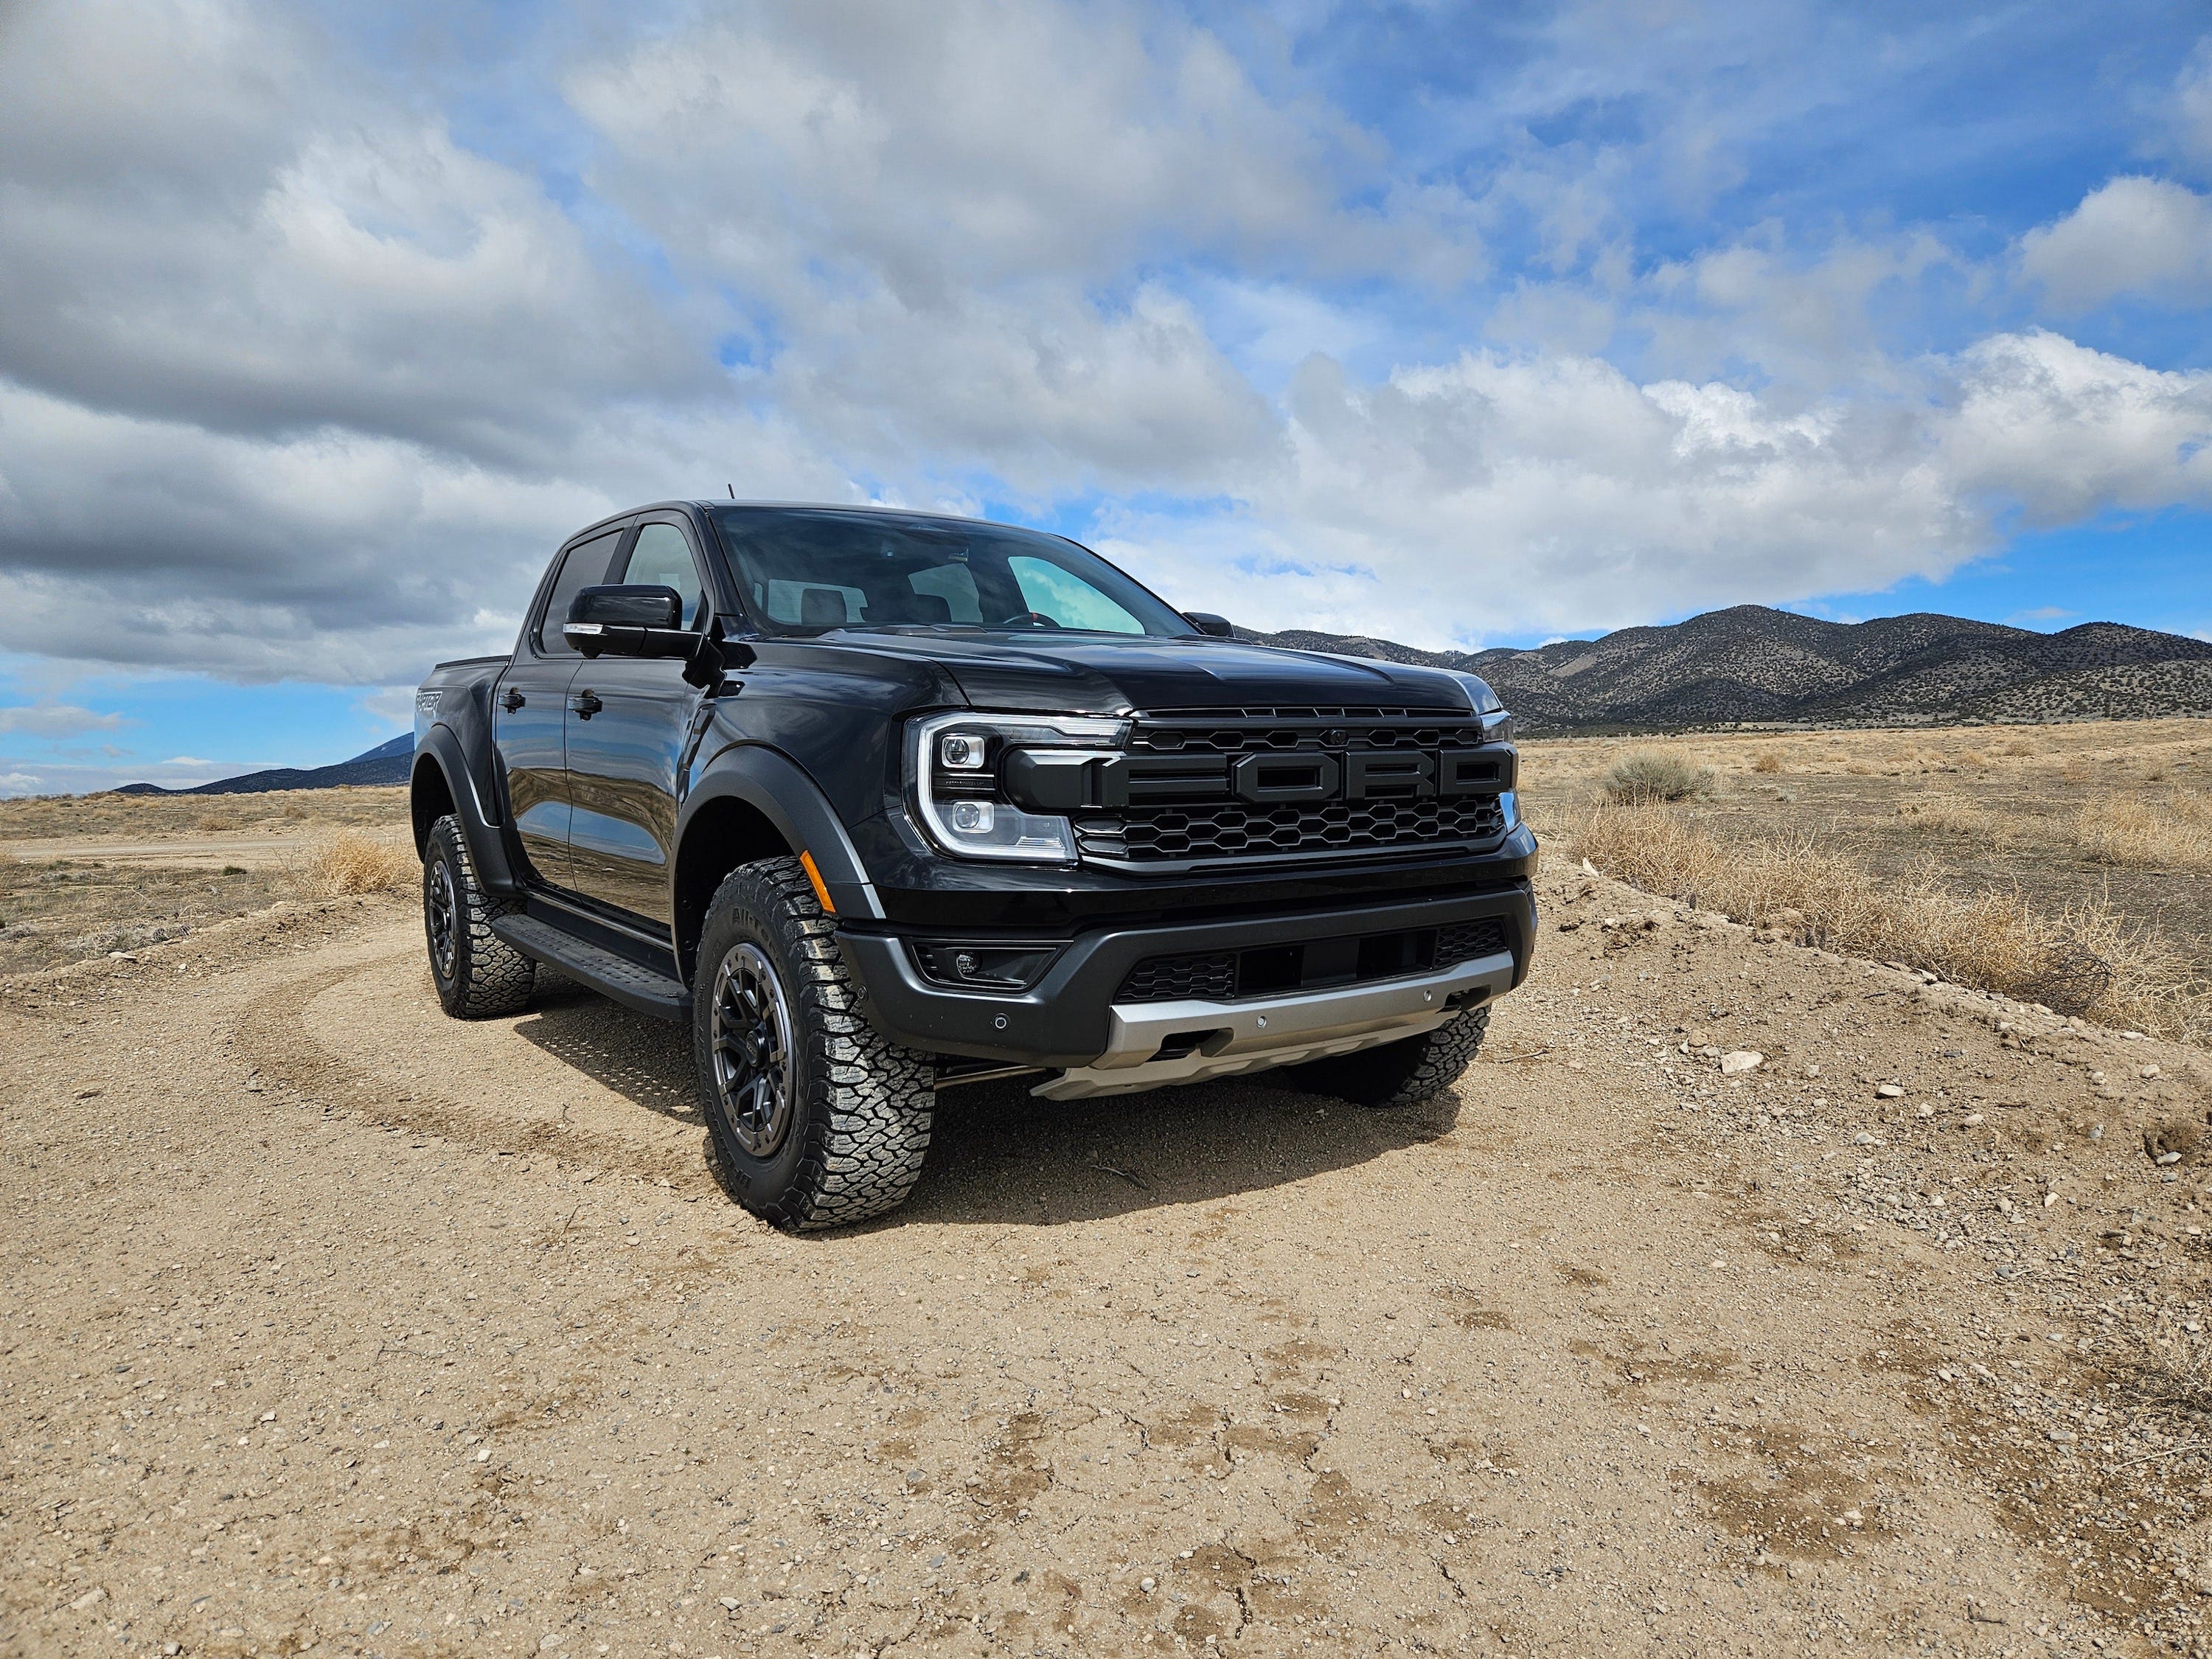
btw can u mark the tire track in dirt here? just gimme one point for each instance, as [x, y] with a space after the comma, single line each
[274, 1035]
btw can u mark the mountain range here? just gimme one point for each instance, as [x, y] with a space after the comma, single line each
[388, 763]
[1752, 666]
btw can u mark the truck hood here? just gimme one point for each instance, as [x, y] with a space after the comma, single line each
[1091, 674]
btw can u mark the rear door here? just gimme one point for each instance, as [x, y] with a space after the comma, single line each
[529, 715]
[630, 722]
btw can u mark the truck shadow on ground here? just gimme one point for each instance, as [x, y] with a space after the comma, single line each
[997, 1154]
[647, 1061]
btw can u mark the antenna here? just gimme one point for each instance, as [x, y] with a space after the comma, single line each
[733, 492]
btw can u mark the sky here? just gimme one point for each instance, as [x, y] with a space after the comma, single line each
[321, 325]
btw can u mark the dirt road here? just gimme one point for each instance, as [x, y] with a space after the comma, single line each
[335, 1326]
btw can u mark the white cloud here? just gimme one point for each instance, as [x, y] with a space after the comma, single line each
[1496, 494]
[2134, 235]
[54, 719]
[20, 783]
[2065, 431]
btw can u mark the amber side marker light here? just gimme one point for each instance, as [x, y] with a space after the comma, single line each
[821, 892]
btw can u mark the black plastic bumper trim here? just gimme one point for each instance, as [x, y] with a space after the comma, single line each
[1064, 1020]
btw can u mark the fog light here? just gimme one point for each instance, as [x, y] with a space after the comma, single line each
[962, 751]
[983, 967]
[972, 817]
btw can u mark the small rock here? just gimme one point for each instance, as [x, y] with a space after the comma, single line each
[1699, 1037]
[2059, 1436]
[1743, 1060]
[2148, 1072]
[91, 1598]
[1862, 1139]
[2096, 1132]
[1889, 1091]
[1973, 1120]
[1923, 1111]
[2169, 1157]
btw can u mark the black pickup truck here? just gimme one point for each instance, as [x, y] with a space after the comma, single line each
[880, 802]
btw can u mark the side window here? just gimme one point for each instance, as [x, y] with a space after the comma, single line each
[1067, 598]
[586, 565]
[661, 557]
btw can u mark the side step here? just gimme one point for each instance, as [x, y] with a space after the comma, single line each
[611, 976]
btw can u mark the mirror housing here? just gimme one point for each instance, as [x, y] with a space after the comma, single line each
[630, 620]
[645, 620]
[1207, 622]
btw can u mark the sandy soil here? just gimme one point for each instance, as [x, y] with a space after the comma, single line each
[335, 1326]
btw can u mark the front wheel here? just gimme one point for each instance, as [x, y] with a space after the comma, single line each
[819, 1121]
[479, 976]
[1401, 1074]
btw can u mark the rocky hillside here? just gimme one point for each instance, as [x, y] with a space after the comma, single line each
[388, 763]
[1749, 663]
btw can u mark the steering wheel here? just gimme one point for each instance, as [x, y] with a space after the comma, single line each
[1029, 619]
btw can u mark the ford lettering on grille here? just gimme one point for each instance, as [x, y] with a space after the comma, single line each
[1274, 783]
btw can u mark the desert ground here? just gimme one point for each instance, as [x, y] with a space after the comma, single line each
[333, 1326]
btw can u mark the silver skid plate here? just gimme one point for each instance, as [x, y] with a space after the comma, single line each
[1264, 1032]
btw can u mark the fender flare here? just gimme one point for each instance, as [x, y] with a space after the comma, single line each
[783, 792]
[442, 747]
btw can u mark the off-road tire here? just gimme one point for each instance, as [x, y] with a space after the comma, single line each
[859, 1107]
[486, 977]
[1401, 1074]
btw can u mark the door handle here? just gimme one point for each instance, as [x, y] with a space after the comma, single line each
[586, 705]
[512, 701]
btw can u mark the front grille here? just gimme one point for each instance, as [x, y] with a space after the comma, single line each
[1183, 805]
[1463, 941]
[1176, 979]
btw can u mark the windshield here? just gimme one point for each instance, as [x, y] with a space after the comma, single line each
[806, 570]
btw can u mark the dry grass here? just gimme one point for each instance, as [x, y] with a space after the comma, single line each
[1769, 760]
[1656, 774]
[1948, 815]
[2086, 961]
[2170, 834]
[349, 863]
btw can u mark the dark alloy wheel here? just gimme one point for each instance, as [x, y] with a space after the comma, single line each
[818, 1120]
[750, 1035]
[438, 917]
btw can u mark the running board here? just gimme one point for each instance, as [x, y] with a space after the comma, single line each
[628, 982]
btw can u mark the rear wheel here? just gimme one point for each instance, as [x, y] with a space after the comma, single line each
[1401, 1074]
[479, 976]
[818, 1120]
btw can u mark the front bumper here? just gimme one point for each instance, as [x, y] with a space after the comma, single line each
[1070, 1020]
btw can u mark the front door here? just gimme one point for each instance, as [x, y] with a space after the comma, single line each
[530, 716]
[630, 722]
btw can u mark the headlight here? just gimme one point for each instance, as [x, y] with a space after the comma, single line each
[1497, 724]
[957, 766]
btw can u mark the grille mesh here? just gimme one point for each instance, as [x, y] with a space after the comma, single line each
[1232, 827]
[1174, 979]
[1463, 941]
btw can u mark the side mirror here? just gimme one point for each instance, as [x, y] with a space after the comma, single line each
[1207, 622]
[640, 620]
